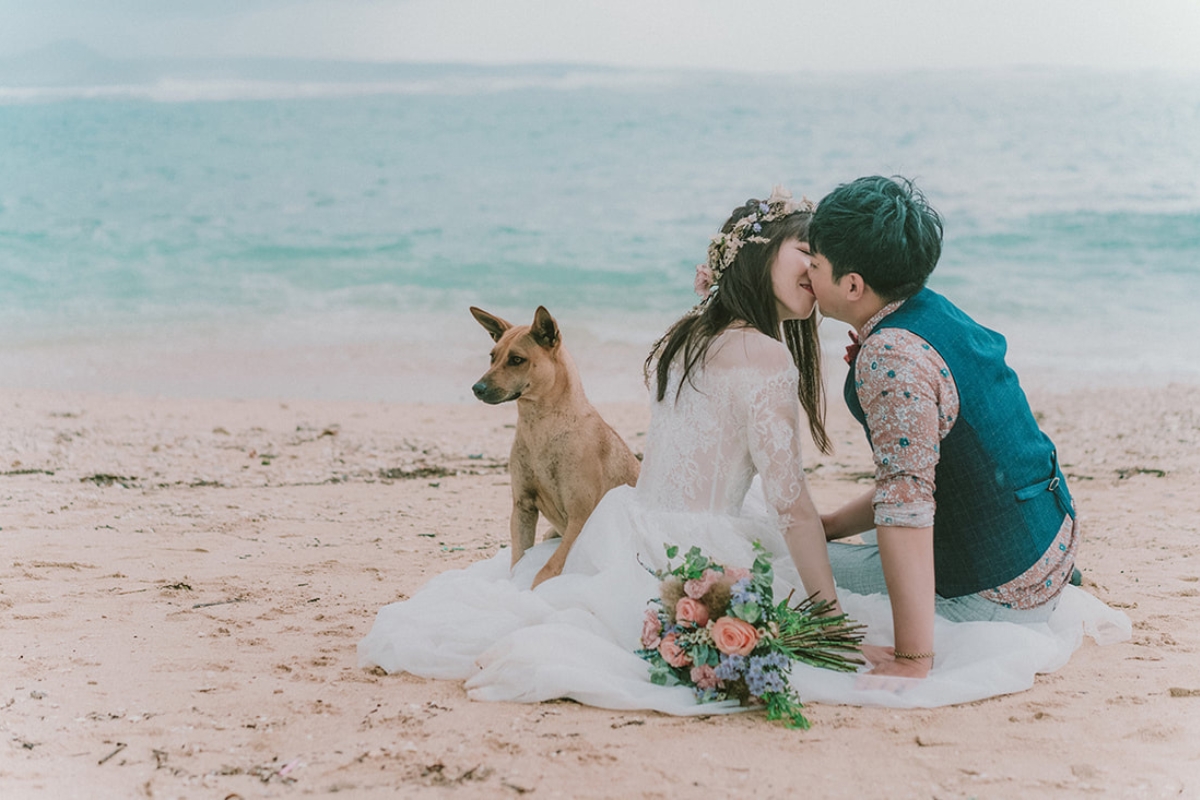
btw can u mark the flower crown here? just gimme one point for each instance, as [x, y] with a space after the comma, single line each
[723, 249]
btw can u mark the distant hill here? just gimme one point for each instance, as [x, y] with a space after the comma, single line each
[68, 63]
[71, 63]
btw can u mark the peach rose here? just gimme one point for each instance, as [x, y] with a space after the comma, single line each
[672, 653]
[734, 637]
[651, 630]
[705, 677]
[693, 611]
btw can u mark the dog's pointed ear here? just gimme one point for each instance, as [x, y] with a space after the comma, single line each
[545, 329]
[493, 324]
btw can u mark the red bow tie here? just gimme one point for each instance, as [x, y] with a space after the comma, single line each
[853, 348]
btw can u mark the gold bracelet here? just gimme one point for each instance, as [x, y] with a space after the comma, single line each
[912, 656]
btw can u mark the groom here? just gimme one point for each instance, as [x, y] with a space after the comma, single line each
[972, 513]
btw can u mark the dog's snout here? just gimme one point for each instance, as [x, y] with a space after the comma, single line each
[492, 394]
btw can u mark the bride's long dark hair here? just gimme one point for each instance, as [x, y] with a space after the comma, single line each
[747, 295]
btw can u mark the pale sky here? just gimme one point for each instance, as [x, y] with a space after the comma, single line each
[766, 35]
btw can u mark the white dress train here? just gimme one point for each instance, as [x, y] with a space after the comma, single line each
[574, 636]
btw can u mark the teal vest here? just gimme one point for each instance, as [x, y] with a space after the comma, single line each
[1001, 497]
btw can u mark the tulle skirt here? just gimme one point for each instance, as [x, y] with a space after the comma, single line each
[574, 636]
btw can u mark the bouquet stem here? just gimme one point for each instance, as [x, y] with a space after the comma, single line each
[814, 636]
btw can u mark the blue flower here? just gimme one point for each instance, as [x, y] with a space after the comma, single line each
[740, 593]
[730, 668]
[765, 674]
[757, 228]
[777, 660]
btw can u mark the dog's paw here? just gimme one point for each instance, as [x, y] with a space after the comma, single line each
[544, 574]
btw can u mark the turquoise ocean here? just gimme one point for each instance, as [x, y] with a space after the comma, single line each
[323, 237]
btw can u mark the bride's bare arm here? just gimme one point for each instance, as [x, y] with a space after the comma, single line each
[805, 539]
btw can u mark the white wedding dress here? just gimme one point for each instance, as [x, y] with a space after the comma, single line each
[574, 636]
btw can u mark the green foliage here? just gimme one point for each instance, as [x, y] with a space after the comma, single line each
[694, 564]
[663, 675]
[705, 654]
[785, 706]
[750, 612]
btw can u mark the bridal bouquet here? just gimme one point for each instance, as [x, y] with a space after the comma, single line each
[719, 630]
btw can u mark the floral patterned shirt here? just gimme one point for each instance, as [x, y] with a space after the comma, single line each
[911, 403]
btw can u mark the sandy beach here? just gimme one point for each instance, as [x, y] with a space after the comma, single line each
[183, 584]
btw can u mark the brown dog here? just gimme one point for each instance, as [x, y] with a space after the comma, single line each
[564, 456]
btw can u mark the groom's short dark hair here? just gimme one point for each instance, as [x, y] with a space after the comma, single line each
[882, 228]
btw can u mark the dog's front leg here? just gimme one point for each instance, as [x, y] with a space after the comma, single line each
[558, 559]
[523, 526]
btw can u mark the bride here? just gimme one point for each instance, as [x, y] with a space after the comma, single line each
[729, 379]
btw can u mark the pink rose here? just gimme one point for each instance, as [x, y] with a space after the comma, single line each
[672, 653]
[705, 677]
[704, 281]
[651, 630]
[734, 637]
[735, 574]
[693, 611]
[698, 587]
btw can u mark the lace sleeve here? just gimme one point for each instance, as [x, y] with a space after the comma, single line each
[774, 430]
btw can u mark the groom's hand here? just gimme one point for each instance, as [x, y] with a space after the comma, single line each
[886, 665]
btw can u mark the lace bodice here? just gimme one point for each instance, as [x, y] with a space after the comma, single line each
[738, 416]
